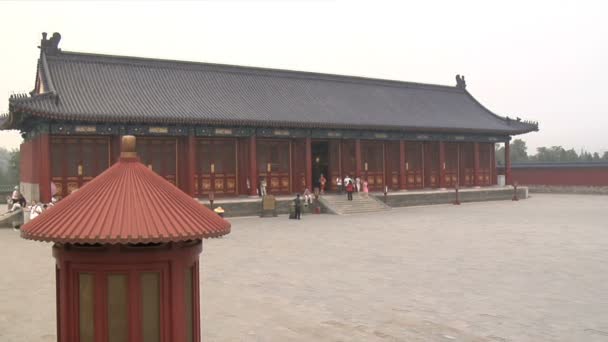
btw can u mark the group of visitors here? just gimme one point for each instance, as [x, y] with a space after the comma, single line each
[17, 201]
[351, 186]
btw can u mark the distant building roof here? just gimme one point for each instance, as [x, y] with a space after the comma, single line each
[127, 203]
[101, 88]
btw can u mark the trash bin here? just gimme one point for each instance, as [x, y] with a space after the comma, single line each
[292, 210]
[501, 180]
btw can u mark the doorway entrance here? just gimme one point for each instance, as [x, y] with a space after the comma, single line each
[320, 163]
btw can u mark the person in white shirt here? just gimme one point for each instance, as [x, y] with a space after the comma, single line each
[36, 210]
[358, 183]
[347, 179]
[263, 187]
[339, 184]
[307, 197]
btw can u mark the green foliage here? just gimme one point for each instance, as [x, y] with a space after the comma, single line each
[9, 166]
[546, 154]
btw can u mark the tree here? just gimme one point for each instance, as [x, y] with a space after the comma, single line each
[605, 156]
[14, 166]
[519, 151]
[499, 152]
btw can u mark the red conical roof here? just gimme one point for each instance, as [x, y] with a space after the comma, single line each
[127, 203]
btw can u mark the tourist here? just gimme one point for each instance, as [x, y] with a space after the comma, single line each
[347, 179]
[298, 206]
[263, 187]
[307, 197]
[358, 183]
[339, 184]
[365, 189]
[349, 190]
[17, 197]
[322, 181]
[35, 210]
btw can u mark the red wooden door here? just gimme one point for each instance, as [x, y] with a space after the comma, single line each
[467, 164]
[414, 165]
[160, 155]
[392, 164]
[431, 164]
[348, 159]
[77, 160]
[451, 164]
[273, 165]
[372, 160]
[334, 164]
[485, 163]
[216, 169]
[299, 166]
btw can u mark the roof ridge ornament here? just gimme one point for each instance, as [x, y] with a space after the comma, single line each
[50, 46]
[460, 82]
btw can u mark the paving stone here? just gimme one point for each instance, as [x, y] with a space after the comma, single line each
[532, 270]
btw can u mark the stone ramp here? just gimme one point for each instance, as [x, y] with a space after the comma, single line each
[11, 219]
[339, 204]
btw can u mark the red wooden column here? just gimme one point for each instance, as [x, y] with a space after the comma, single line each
[441, 164]
[253, 166]
[191, 164]
[308, 165]
[476, 164]
[340, 172]
[357, 158]
[44, 167]
[402, 179]
[115, 142]
[507, 163]
[493, 164]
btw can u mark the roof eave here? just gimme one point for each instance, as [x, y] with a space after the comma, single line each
[24, 108]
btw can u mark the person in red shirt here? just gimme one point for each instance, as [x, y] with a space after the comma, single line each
[322, 181]
[349, 190]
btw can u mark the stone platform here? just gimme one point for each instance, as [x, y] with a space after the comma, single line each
[411, 198]
[246, 206]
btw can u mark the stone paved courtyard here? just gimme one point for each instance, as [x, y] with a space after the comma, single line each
[533, 270]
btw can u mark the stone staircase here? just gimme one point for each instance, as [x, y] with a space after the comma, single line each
[338, 204]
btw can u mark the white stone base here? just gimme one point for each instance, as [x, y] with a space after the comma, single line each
[30, 191]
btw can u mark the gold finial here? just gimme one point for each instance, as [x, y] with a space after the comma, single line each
[128, 147]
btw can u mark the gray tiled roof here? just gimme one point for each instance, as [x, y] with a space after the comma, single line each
[88, 87]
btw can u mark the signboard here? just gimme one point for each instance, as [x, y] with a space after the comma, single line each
[85, 129]
[158, 130]
[269, 202]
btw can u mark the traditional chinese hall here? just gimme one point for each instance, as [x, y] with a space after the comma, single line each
[221, 129]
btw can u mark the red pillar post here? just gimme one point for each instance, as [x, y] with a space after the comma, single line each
[476, 181]
[402, 179]
[191, 164]
[44, 166]
[115, 145]
[253, 166]
[308, 160]
[441, 164]
[493, 164]
[507, 163]
[357, 158]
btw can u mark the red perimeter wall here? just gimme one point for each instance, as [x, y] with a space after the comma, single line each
[584, 175]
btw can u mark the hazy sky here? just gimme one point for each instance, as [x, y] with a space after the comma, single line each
[540, 60]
